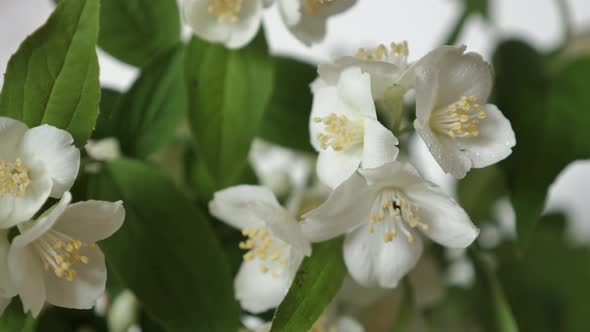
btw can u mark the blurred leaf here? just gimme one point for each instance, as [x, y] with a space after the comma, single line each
[166, 252]
[550, 117]
[407, 311]
[53, 77]
[318, 280]
[479, 190]
[504, 318]
[229, 93]
[108, 104]
[287, 120]
[136, 31]
[69, 320]
[14, 320]
[147, 116]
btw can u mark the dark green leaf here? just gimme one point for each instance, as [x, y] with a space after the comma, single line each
[318, 280]
[53, 77]
[479, 190]
[287, 120]
[108, 104]
[166, 252]
[147, 116]
[69, 320]
[229, 93]
[14, 320]
[136, 31]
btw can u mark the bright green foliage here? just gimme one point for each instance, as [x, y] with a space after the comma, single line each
[136, 31]
[318, 280]
[166, 252]
[146, 117]
[53, 77]
[229, 94]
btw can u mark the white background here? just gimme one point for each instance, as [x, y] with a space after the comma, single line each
[423, 23]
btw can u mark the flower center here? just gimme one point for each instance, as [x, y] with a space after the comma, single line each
[14, 178]
[340, 133]
[313, 7]
[226, 10]
[397, 53]
[460, 119]
[393, 212]
[60, 253]
[262, 245]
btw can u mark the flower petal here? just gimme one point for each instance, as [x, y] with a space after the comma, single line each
[11, 134]
[54, 148]
[258, 292]
[91, 221]
[27, 273]
[334, 167]
[379, 145]
[203, 23]
[449, 225]
[347, 207]
[290, 11]
[247, 25]
[372, 262]
[325, 102]
[7, 288]
[232, 205]
[348, 324]
[495, 140]
[395, 173]
[354, 88]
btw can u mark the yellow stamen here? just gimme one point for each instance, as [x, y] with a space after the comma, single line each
[262, 246]
[14, 178]
[225, 10]
[340, 133]
[460, 119]
[60, 254]
[313, 7]
[382, 53]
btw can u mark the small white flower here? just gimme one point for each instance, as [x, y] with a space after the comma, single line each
[104, 149]
[383, 210]
[7, 290]
[35, 164]
[55, 258]
[452, 117]
[275, 244]
[345, 130]
[233, 23]
[306, 19]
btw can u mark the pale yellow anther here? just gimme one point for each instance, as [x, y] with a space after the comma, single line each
[396, 213]
[14, 178]
[225, 10]
[411, 239]
[382, 53]
[313, 7]
[340, 133]
[61, 253]
[460, 119]
[263, 268]
[261, 246]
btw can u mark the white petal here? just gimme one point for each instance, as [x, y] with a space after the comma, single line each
[14, 210]
[347, 207]
[325, 102]
[247, 25]
[426, 93]
[448, 223]
[27, 272]
[268, 3]
[43, 224]
[495, 140]
[309, 29]
[348, 324]
[379, 145]
[91, 221]
[54, 148]
[354, 88]
[335, 7]
[82, 292]
[232, 205]
[7, 288]
[203, 23]
[334, 167]
[258, 292]
[392, 174]
[11, 134]
[373, 262]
[290, 11]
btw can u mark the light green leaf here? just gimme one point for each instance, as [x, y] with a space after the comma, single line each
[147, 116]
[318, 280]
[229, 93]
[166, 252]
[14, 320]
[136, 31]
[53, 77]
[287, 120]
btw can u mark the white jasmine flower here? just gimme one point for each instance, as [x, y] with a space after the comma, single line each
[104, 149]
[7, 290]
[385, 66]
[275, 244]
[233, 23]
[383, 210]
[345, 130]
[34, 164]
[306, 19]
[452, 117]
[55, 258]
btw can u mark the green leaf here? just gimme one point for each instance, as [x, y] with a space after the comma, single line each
[504, 318]
[147, 116]
[479, 190]
[407, 311]
[549, 115]
[14, 320]
[287, 120]
[166, 252]
[136, 31]
[53, 77]
[229, 94]
[318, 280]
[108, 104]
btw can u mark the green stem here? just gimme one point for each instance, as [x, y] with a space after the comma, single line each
[457, 28]
[566, 18]
[405, 130]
